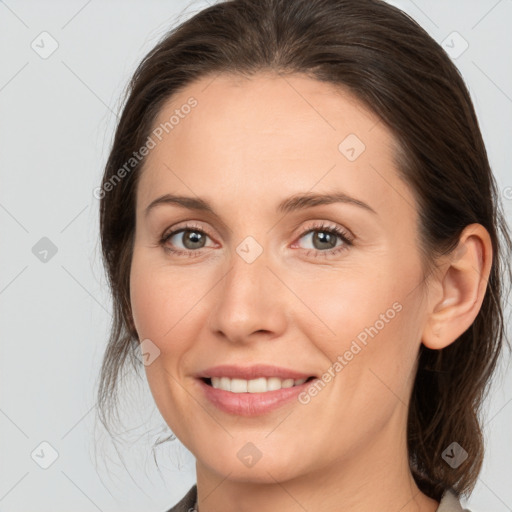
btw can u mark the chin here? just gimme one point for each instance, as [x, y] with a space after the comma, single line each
[250, 465]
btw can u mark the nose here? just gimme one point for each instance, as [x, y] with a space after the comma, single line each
[251, 302]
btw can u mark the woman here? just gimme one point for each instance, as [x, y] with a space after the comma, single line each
[300, 228]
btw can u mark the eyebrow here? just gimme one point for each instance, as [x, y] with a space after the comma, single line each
[290, 204]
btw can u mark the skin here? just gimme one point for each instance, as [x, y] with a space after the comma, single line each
[247, 145]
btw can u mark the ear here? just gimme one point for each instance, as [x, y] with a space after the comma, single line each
[458, 290]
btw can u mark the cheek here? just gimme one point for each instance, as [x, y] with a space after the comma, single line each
[370, 324]
[163, 312]
[340, 306]
[168, 305]
[149, 300]
[159, 298]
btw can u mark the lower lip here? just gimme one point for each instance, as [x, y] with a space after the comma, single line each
[251, 404]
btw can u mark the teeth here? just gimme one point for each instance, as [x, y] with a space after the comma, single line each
[259, 385]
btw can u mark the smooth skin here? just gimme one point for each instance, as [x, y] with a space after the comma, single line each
[245, 147]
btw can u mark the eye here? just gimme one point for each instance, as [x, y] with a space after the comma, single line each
[190, 236]
[324, 240]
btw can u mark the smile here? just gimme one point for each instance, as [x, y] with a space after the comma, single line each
[251, 390]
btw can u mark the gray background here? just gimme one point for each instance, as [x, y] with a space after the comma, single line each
[57, 118]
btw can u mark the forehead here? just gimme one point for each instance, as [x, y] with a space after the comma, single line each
[267, 136]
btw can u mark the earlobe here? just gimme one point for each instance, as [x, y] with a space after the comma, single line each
[463, 283]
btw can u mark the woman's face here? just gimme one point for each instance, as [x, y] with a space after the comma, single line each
[262, 278]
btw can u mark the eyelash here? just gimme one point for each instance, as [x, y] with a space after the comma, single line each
[331, 229]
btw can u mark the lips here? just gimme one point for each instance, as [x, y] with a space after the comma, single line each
[255, 388]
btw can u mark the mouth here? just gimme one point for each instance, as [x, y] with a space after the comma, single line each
[253, 390]
[257, 385]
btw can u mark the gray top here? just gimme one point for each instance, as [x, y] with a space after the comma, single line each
[449, 502]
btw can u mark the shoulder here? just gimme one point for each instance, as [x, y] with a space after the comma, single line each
[450, 503]
[186, 504]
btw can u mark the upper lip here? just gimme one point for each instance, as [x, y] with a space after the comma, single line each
[252, 372]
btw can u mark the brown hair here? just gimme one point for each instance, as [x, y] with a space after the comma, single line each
[398, 71]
